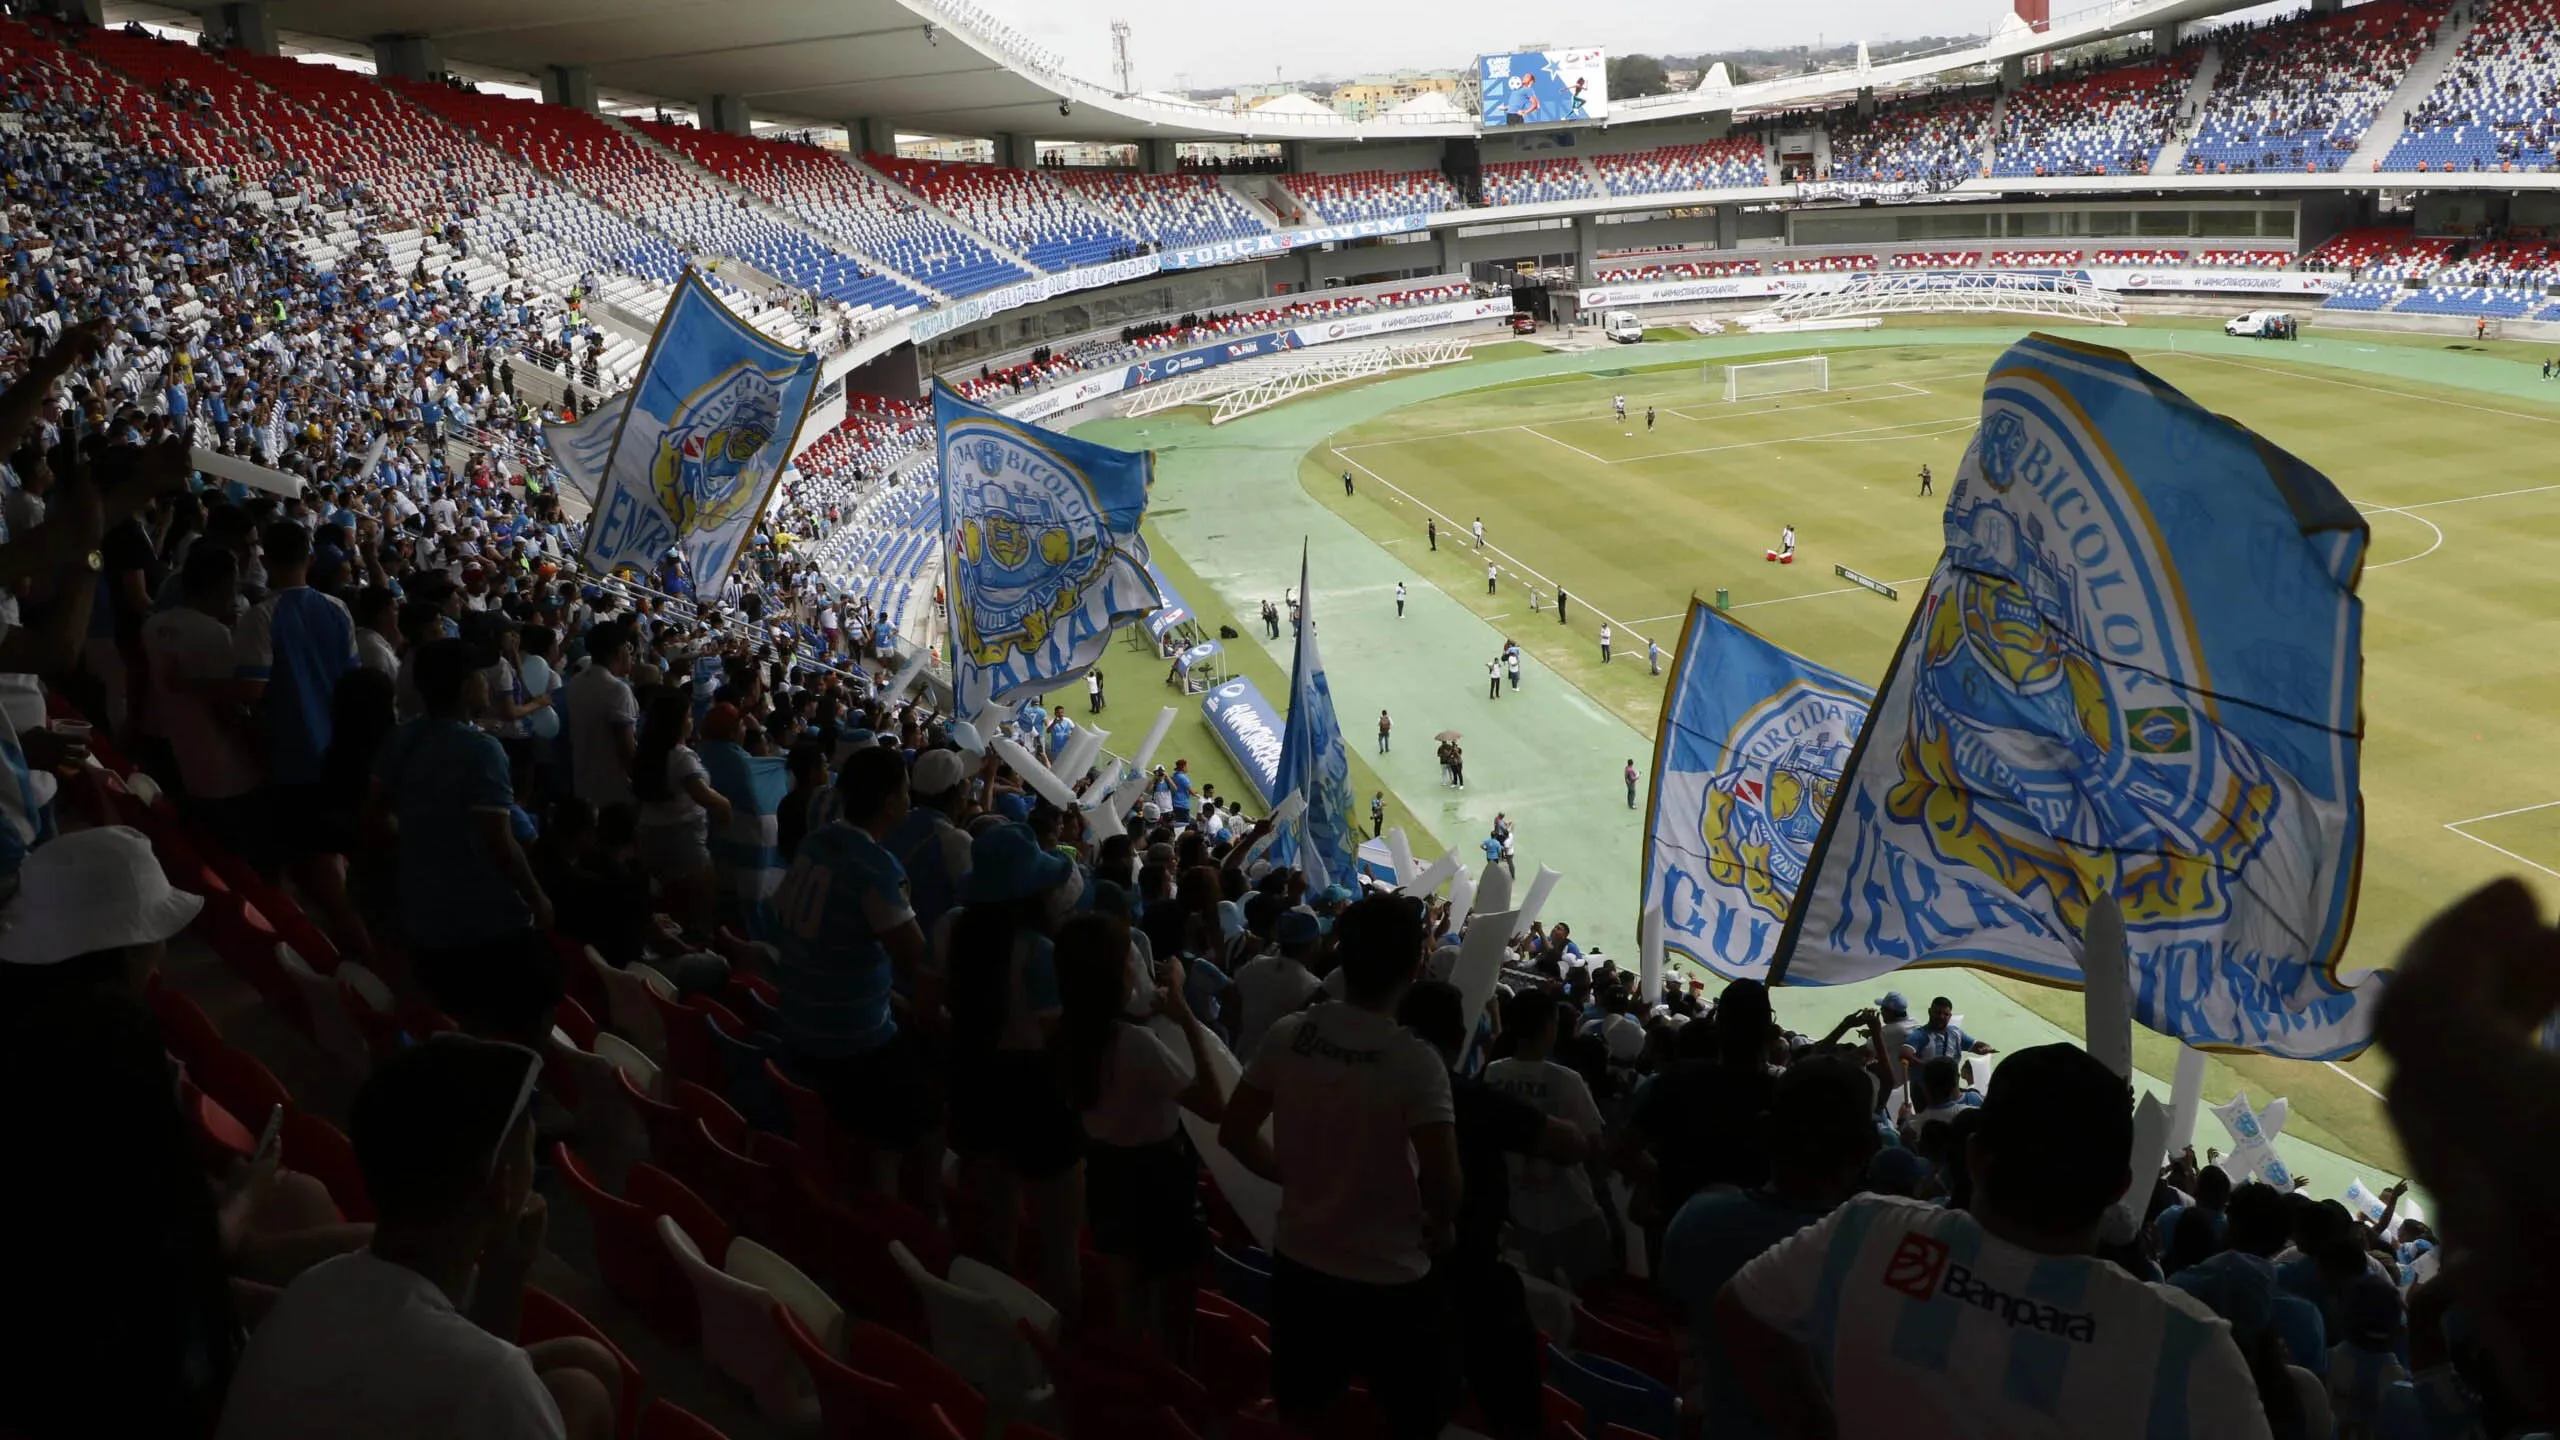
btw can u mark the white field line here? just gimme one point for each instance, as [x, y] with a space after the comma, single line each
[2433, 547]
[2406, 510]
[2351, 1079]
[1518, 569]
[2358, 385]
[1910, 391]
[1818, 594]
[1576, 449]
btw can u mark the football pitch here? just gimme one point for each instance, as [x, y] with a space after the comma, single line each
[2448, 453]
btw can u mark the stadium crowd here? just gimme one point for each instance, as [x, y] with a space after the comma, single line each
[894, 1053]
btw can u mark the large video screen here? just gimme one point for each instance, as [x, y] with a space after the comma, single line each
[1544, 87]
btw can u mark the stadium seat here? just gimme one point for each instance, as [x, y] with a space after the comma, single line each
[852, 1405]
[737, 1299]
[630, 1258]
[546, 1317]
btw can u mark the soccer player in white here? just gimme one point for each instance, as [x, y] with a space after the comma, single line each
[1787, 540]
[1619, 403]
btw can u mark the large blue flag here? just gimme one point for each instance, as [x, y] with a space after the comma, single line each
[702, 439]
[2137, 670]
[1041, 550]
[1315, 763]
[583, 447]
[1751, 749]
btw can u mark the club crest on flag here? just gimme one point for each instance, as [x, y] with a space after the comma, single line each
[712, 455]
[2021, 762]
[2135, 673]
[1042, 551]
[686, 459]
[1753, 745]
[1764, 810]
[1036, 532]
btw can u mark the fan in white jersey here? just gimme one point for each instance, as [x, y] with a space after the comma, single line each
[1897, 1317]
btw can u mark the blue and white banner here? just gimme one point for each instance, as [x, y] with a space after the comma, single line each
[1248, 728]
[1041, 550]
[1227, 252]
[2136, 671]
[1315, 763]
[582, 447]
[702, 440]
[1029, 292]
[1751, 749]
[1165, 367]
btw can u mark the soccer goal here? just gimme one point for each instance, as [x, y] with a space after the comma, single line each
[1777, 377]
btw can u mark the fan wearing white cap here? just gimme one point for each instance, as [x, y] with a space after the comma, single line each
[929, 843]
[120, 1250]
[97, 898]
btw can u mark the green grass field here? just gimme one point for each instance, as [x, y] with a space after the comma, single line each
[2462, 697]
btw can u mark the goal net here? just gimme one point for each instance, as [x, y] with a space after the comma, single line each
[1777, 377]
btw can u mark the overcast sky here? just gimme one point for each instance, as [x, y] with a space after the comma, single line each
[1202, 45]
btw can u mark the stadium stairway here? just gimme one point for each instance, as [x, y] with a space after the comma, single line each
[2393, 119]
[2173, 156]
[772, 213]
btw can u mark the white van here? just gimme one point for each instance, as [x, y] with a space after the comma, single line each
[1622, 326]
[2261, 325]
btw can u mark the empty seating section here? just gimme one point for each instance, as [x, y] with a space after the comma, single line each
[2298, 96]
[2363, 295]
[2105, 122]
[2500, 279]
[1167, 210]
[1939, 260]
[403, 159]
[2245, 259]
[2138, 258]
[2379, 252]
[2034, 259]
[1682, 270]
[1530, 182]
[2498, 105]
[1371, 195]
[1825, 265]
[1019, 209]
[1737, 162]
[1936, 145]
[2532, 264]
[837, 197]
[2496, 302]
[664, 193]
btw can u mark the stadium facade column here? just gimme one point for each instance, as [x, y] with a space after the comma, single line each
[248, 26]
[408, 57]
[725, 113]
[1157, 157]
[1016, 151]
[2013, 72]
[570, 85]
[1866, 102]
[1728, 227]
[870, 135]
[77, 12]
[1586, 246]
[2164, 39]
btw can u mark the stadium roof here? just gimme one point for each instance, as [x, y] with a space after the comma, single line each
[951, 67]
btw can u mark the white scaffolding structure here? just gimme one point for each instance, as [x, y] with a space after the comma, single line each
[2046, 294]
[1241, 389]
